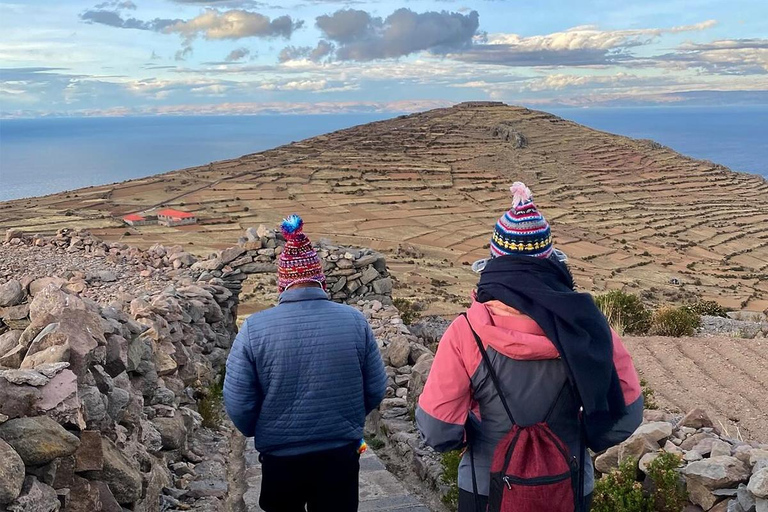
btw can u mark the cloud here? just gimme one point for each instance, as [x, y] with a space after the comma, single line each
[578, 46]
[234, 24]
[115, 19]
[117, 4]
[238, 54]
[316, 54]
[224, 3]
[727, 57]
[361, 37]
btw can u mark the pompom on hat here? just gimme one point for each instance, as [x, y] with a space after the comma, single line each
[298, 263]
[522, 229]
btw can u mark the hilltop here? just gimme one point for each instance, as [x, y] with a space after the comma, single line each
[426, 188]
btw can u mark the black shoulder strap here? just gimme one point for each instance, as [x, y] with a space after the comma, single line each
[491, 372]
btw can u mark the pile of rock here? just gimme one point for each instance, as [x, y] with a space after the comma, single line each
[98, 402]
[407, 361]
[739, 324]
[721, 474]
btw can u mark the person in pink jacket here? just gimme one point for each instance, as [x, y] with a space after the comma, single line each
[540, 336]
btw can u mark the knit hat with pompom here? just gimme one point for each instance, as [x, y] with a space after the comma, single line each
[522, 229]
[299, 263]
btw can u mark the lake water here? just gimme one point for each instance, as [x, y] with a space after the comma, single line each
[43, 156]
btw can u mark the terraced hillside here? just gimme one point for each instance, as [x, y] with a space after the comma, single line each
[428, 187]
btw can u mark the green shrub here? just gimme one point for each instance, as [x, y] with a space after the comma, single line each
[620, 491]
[450, 462]
[668, 492]
[375, 443]
[675, 322]
[707, 307]
[408, 311]
[625, 312]
[648, 395]
[210, 403]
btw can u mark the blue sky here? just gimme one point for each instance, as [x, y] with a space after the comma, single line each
[146, 57]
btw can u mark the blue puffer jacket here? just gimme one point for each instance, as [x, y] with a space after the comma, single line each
[302, 376]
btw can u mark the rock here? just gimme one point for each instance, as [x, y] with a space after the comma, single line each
[8, 341]
[11, 293]
[746, 498]
[172, 431]
[698, 494]
[419, 375]
[719, 448]
[695, 439]
[656, 431]
[398, 352]
[38, 440]
[11, 473]
[717, 472]
[12, 233]
[208, 488]
[119, 473]
[697, 418]
[383, 286]
[758, 484]
[15, 317]
[636, 446]
[83, 496]
[94, 406]
[608, 460]
[17, 401]
[89, 456]
[230, 254]
[756, 455]
[20, 377]
[36, 286]
[108, 501]
[60, 401]
[35, 497]
[761, 505]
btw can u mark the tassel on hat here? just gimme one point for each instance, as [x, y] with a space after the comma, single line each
[298, 263]
[522, 229]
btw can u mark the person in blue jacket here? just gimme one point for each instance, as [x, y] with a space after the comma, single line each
[301, 378]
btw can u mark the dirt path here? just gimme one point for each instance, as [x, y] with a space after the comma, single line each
[726, 376]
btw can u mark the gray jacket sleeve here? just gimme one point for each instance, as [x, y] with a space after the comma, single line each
[374, 376]
[242, 394]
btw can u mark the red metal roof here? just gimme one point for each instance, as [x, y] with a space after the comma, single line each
[133, 217]
[175, 213]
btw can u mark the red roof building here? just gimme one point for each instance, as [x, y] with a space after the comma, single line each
[134, 219]
[171, 217]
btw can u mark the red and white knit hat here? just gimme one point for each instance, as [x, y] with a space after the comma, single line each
[299, 263]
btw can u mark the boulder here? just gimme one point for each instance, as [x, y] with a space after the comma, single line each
[38, 440]
[699, 494]
[84, 496]
[398, 351]
[60, 401]
[120, 474]
[608, 460]
[35, 497]
[15, 317]
[11, 473]
[21, 377]
[8, 341]
[746, 499]
[656, 431]
[11, 293]
[230, 254]
[17, 401]
[89, 456]
[697, 418]
[717, 472]
[719, 448]
[172, 431]
[758, 484]
[108, 501]
[636, 446]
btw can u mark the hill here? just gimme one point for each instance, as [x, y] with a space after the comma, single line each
[426, 189]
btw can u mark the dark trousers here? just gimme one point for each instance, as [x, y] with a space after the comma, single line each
[324, 481]
[467, 502]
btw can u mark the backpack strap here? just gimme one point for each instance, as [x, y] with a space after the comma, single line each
[491, 371]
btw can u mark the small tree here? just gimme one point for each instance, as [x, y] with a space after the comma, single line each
[675, 322]
[625, 312]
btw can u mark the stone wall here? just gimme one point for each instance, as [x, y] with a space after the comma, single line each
[105, 350]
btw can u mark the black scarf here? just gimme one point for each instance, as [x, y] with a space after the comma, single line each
[543, 289]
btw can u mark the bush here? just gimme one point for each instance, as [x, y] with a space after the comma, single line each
[210, 404]
[675, 322]
[708, 308]
[450, 462]
[669, 494]
[649, 400]
[408, 310]
[625, 312]
[620, 491]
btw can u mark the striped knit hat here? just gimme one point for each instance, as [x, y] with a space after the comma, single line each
[299, 263]
[522, 230]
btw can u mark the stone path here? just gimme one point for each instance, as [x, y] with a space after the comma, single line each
[380, 491]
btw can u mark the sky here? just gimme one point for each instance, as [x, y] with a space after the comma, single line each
[177, 57]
